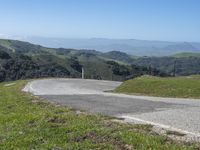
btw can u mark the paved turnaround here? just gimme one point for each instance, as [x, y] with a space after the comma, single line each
[92, 96]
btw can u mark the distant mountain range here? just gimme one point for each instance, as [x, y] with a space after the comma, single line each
[129, 46]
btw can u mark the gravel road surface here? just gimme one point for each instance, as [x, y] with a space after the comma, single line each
[89, 95]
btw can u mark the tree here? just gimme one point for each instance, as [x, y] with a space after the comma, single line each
[74, 63]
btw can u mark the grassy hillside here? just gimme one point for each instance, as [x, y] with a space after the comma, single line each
[183, 65]
[26, 122]
[97, 64]
[120, 56]
[22, 60]
[187, 87]
[182, 55]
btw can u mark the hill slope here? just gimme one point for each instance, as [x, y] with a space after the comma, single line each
[186, 54]
[19, 60]
[187, 87]
[119, 56]
[170, 65]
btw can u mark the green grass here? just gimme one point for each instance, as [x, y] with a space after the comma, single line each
[7, 44]
[184, 87]
[27, 122]
[186, 54]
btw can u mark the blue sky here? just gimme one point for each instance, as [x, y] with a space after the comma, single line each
[172, 20]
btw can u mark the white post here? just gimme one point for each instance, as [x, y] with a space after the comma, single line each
[82, 73]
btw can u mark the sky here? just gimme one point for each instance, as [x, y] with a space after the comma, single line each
[168, 20]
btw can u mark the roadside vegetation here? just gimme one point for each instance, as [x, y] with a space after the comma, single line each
[183, 87]
[27, 122]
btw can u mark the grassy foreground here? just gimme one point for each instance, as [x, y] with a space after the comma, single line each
[29, 123]
[184, 87]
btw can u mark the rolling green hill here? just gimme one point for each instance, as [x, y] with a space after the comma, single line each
[181, 66]
[21, 60]
[186, 54]
[186, 87]
[119, 56]
[60, 62]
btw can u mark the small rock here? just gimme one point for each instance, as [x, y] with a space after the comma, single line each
[128, 147]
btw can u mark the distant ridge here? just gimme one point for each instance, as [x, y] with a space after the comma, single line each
[129, 46]
[186, 54]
